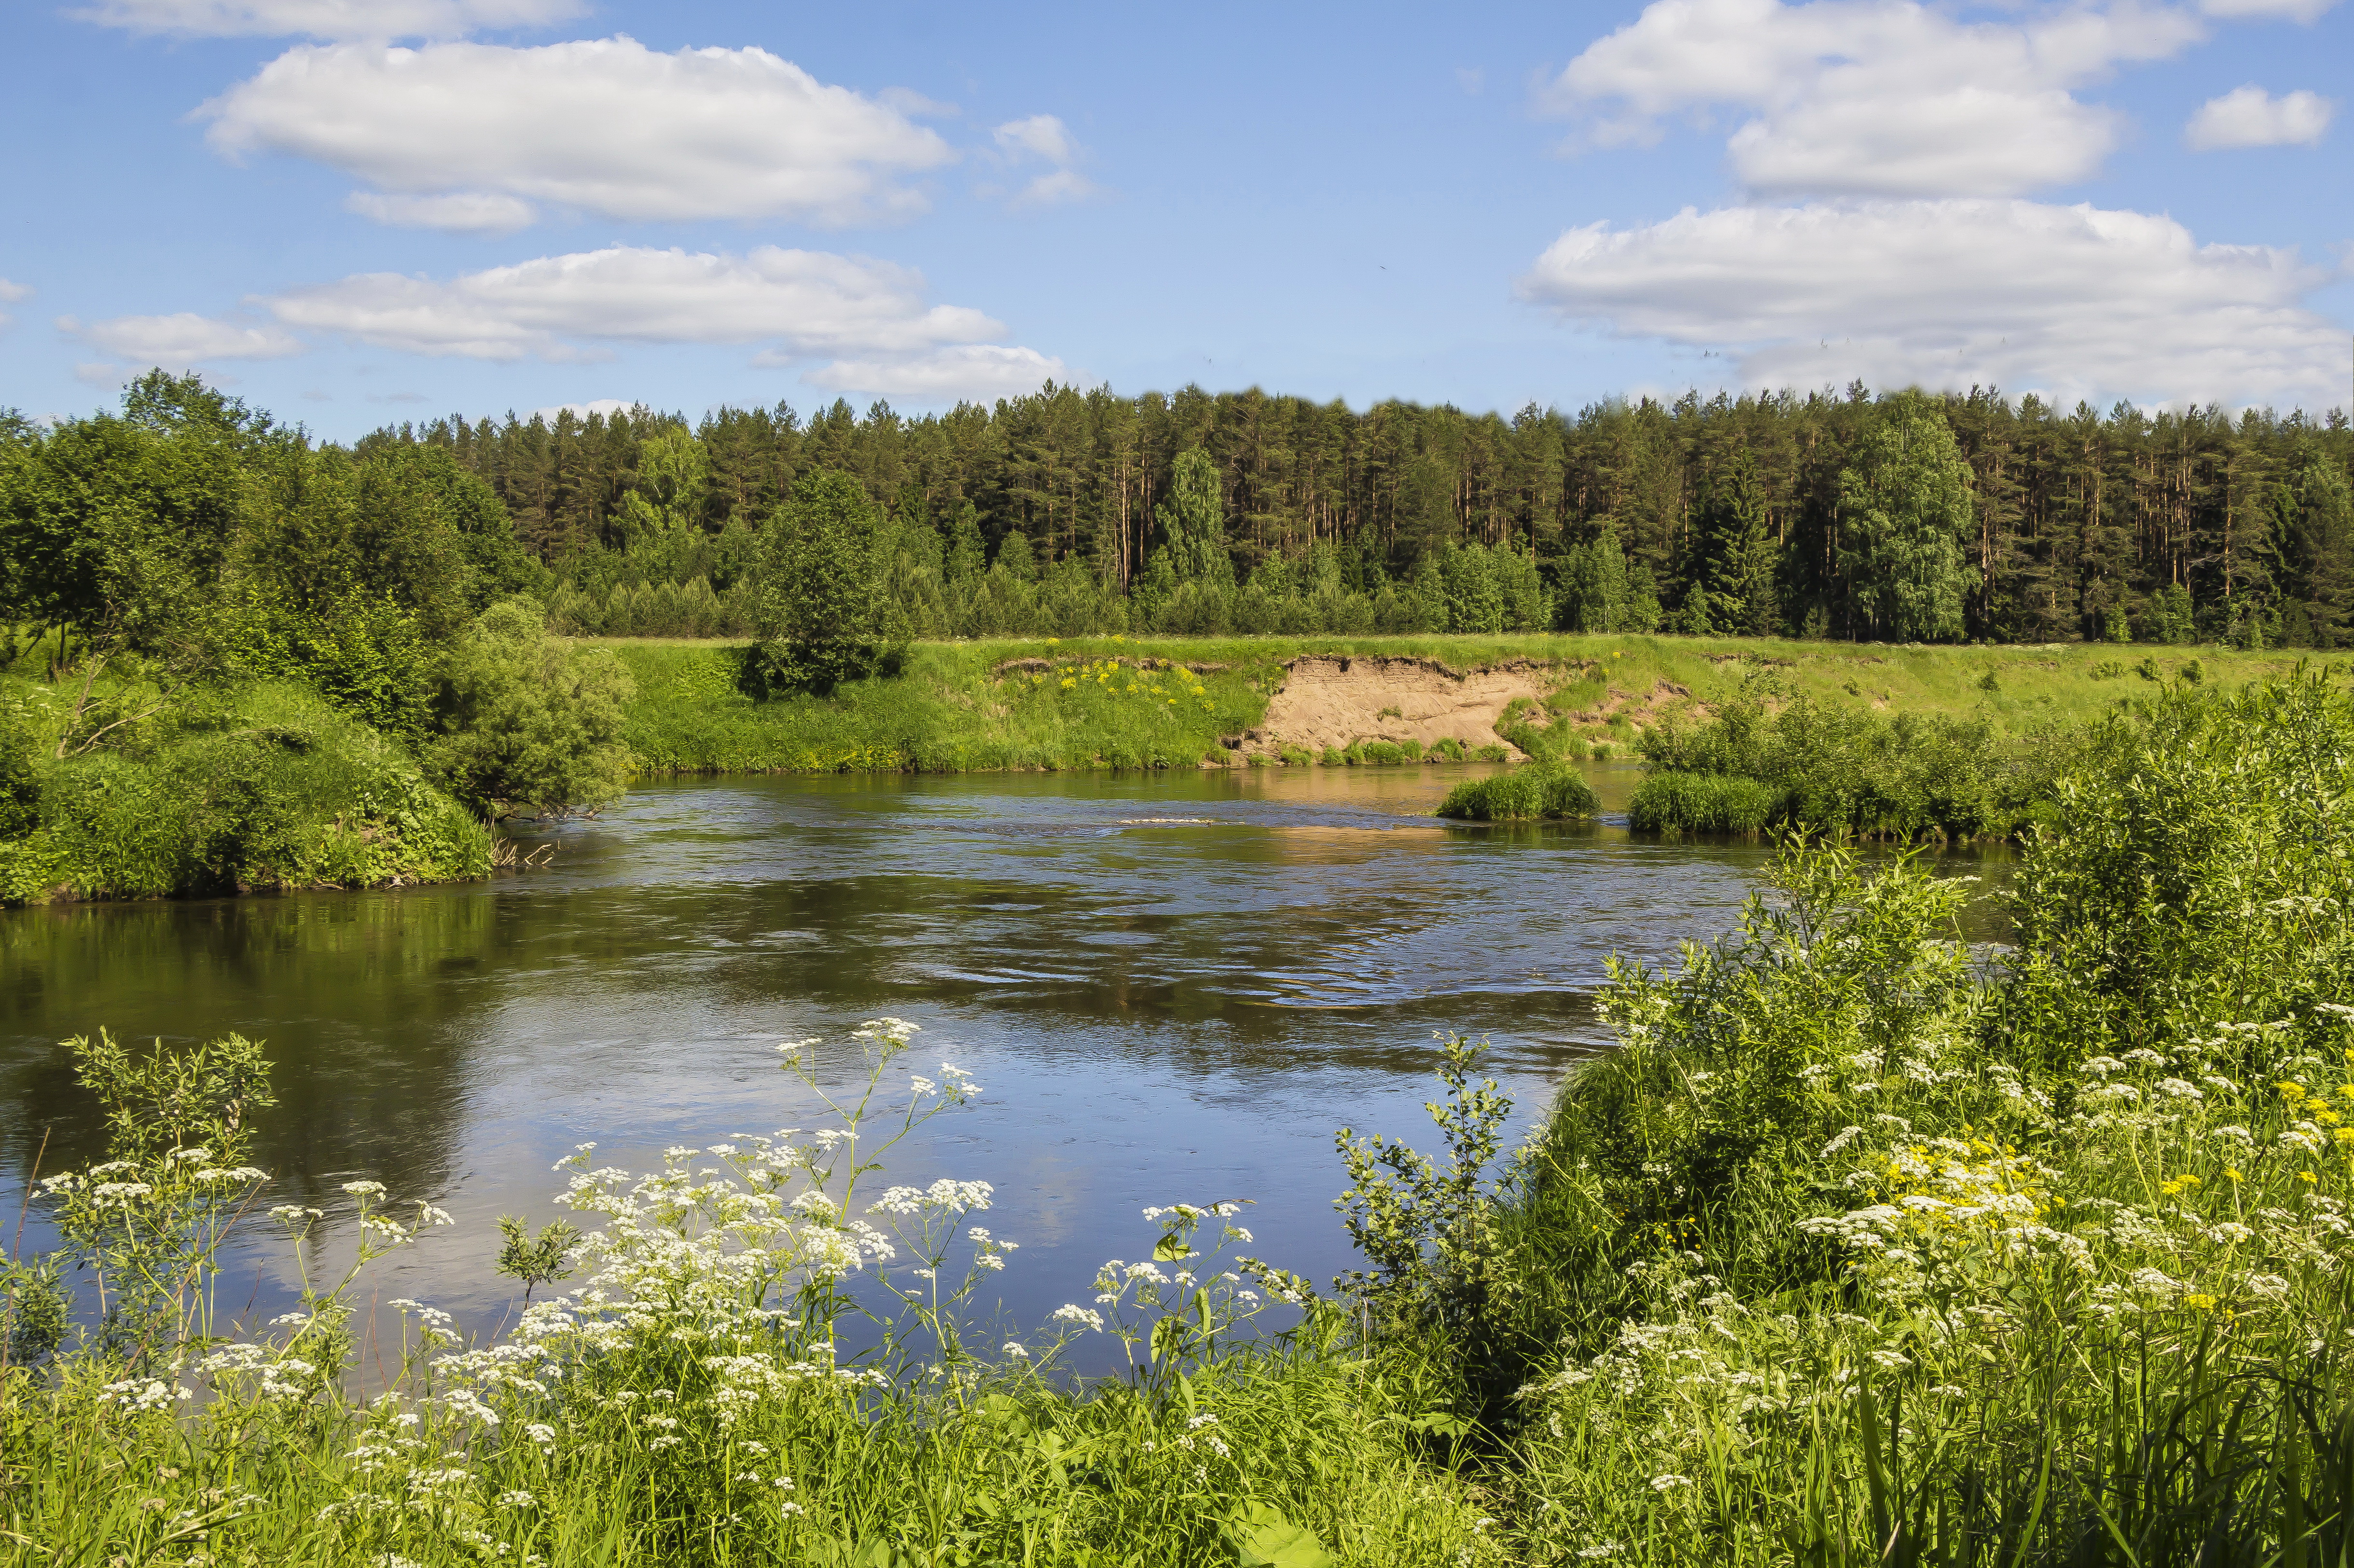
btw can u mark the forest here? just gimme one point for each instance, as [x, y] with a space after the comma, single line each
[1805, 514]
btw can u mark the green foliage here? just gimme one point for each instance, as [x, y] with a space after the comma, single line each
[1741, 555]
[1905, 506]
[177, 1097]
[265, 788]
[1839, 769]
[1439, 1264]
[117, 531]
[529, 721]
[825, 617]
[20, 750]
[535, 1260]
[1854, 1248]
[1539, 790]
[1671, 802]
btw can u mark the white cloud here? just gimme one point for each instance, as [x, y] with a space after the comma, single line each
[1042, 136]
[606, 126]
[2250, 117]
[325, 19]
[971, 373]
[12, 293]
[2072, 301]
[871, 319]
[469, 212]
[2267, 10]
[186, 339]
[1872, 97]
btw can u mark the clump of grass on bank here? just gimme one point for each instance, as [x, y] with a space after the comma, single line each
[263, 787]
[973, 706]
[1522, 794]
[1704, 804]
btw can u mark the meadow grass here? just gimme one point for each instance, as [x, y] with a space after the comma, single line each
[957, 706]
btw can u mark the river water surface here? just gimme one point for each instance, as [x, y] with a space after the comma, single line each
[1171, 986]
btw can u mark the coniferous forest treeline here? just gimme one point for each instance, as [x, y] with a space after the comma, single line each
[1845, 515]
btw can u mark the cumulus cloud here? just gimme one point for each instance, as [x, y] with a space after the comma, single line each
[469, 212]
[805, 302]
[177, 342]
[2072, 301]
[604, 126]
[9, 294]
[2250, 117]
[973, 372]
[1035, 138]
[325, 19]
[873, 320]
[1871, 97]
[1040, 136]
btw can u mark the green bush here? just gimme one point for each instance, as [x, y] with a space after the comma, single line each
[271, 787]
[1703, 804]
[528, 721]
[1844, 769]
[1534, 792]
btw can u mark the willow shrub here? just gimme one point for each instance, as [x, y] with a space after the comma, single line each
[1838, 769]
[1539, 790]
[688, 1400]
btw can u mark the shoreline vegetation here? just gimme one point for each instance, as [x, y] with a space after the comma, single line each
[235, 658]
[1863, 1245]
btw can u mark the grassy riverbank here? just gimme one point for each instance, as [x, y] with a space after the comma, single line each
[958, 706]
[263, 785]
[1863, 1248]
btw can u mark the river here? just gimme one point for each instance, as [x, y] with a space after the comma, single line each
[1171, 986]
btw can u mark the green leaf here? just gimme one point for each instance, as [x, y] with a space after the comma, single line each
[1168, 1338]
[1262, 1538]
[1172, 1248]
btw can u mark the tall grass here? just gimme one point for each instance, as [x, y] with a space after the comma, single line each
[1538, 792]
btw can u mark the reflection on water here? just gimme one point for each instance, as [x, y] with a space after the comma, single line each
[1172, 986]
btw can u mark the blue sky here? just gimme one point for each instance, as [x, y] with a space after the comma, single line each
[359, 211]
